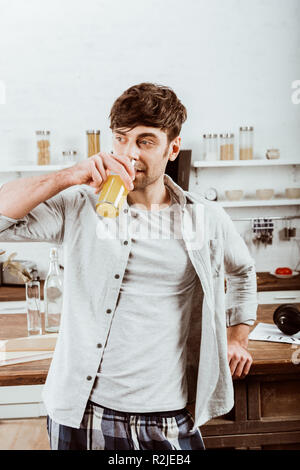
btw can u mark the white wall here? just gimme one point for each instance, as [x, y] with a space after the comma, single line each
[231, 62]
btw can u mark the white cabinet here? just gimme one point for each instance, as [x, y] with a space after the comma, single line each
[23, 401]
[279, 297]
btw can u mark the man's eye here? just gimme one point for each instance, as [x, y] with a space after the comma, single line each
[119, 138]
[146, 142]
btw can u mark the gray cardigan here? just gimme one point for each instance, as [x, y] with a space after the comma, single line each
[95, 261]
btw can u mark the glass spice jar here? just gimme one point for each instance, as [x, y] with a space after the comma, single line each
[226, 146]
[210, 143]
[43, 143]
[246, 143]
[93, 138]
[69, 156]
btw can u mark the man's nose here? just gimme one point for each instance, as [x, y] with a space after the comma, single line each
[132, 150]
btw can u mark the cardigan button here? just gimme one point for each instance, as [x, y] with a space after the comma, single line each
[89, 377]
[99, 345]
[117, 276]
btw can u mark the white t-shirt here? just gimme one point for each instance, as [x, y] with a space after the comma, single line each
[144, 360]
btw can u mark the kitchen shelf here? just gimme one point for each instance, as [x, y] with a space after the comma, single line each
[32, 168]
[243, 163]
[259, 202]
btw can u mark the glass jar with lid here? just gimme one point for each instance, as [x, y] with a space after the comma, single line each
[210, 147]
[69, 156]
[43, 144]
[246, 143]
[227, 146]
[93, 137]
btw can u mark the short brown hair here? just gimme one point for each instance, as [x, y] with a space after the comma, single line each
[149, 104]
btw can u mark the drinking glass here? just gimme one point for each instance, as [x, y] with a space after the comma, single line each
[34, 322]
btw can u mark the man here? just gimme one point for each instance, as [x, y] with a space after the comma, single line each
[146, 327]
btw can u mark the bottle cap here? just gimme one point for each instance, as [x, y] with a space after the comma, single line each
[53, 253]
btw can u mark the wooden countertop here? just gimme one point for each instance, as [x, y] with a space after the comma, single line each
[27, 373]
[268, 358]
[17, 292]
[265, 282]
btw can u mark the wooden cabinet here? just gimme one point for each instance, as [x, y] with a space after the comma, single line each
[266, 414]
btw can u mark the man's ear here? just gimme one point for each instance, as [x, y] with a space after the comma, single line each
[174, 148]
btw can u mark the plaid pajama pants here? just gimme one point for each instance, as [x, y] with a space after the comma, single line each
[106, 429]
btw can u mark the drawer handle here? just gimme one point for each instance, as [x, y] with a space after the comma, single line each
[284, 297]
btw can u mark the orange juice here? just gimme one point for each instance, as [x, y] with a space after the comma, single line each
[111, 197]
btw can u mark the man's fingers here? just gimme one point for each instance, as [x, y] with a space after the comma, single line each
[102, 171]
[247, 367]
[125, 170]
[240, 367]
[232, 364]
[96, 175]
[113, 164]
[126, 161]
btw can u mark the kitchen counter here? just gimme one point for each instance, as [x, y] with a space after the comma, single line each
[17, 292]
[266, 413]
[267, 357]
[265, 282]
[27, 373]
[267, 406]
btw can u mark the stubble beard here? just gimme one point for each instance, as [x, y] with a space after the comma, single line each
[143, 180]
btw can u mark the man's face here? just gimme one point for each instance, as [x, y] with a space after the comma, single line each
[152, 147]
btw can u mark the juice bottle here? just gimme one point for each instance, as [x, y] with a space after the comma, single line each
[112, 196]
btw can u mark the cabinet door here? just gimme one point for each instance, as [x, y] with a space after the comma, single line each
[21, 402]
[279, 297]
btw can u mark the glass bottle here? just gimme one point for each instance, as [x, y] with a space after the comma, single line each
[210, 142]
[43, 143]
[226, 146]
[93, 142]
[34, 322]
[112, 196]
[246, 143]
[53, 294]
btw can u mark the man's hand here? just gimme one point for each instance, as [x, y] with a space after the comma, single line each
[239, 358]
[95, 170]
